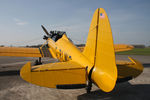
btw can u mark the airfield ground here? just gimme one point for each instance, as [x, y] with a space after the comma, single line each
[136, 51]
[12, 87]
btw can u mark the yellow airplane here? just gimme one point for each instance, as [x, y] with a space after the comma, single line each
[77, 69]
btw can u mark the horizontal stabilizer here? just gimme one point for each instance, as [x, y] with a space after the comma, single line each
[129, 69]
[59, 75]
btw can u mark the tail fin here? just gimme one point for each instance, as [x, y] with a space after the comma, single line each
[100, 51]
[90, 48]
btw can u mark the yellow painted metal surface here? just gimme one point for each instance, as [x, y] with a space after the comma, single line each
[89, 50]
[20, 52]
[53, 74]
[117, 47]
[122, 47]
[129, 69]
[72, 53]
[53, 53]
[70, 71]
[105, 71]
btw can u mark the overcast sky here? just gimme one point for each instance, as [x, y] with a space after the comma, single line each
[20, 20]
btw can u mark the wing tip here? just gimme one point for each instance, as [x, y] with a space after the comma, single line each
[26, 71]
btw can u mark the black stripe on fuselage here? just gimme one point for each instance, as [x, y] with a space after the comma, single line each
[71, 86]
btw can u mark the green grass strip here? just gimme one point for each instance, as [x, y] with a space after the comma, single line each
[136, 51]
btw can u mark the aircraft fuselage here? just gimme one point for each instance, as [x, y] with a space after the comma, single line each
[65, 50]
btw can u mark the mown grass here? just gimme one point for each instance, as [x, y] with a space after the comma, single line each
[136, 51]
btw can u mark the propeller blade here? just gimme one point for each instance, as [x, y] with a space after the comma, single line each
[44, 29]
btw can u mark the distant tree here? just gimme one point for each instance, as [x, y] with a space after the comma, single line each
[2, 46]
[27, 46]
[139, 46]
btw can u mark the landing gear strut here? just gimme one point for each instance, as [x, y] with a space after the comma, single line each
[38, 62]
[89, 84]
[89, 87]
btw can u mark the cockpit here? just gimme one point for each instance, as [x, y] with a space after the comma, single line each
[56, 35]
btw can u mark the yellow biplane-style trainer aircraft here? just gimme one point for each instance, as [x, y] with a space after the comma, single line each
[76, 69]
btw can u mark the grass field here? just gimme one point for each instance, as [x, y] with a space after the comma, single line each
[136, 51]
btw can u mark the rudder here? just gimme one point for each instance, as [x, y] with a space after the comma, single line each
[99, 50]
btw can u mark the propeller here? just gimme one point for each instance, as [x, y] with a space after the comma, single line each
[48, 34]
[52, 34]
[44, 29]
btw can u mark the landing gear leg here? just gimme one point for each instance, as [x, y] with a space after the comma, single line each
[38, 62]
[89, 84]
[89, 87]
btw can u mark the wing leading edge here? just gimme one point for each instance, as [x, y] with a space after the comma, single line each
[20, 52]
[117, 47]
[25, 52]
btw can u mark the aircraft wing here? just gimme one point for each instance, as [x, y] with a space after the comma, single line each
[117, 47]
[128, 70]
[61, 75]
[122, 47]
[23, 52]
